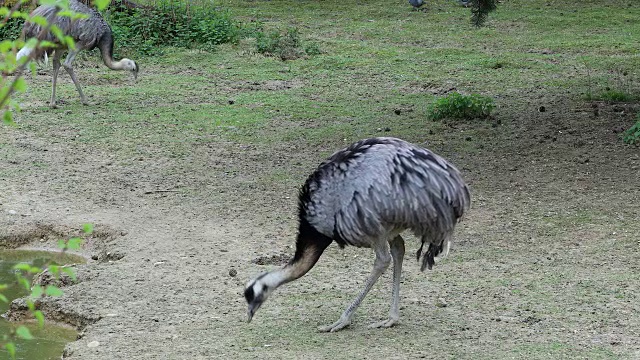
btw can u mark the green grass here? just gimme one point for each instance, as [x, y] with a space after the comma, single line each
[461, 107]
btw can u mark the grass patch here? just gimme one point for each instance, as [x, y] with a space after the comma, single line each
[284, 45]
[458, 106]
[632, 134]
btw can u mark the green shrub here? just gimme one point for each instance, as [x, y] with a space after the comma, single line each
[172, 23]
[458, 106]
[286, 46]
[632, 135]
[12, 29]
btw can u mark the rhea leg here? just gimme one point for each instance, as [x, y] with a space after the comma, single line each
[56, 69]
[380, 264]
[397, 254]
[68, 65]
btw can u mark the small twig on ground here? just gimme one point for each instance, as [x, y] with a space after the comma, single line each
[159, 191]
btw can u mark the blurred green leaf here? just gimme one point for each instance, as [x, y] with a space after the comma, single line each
[7, 117]
[22, 267]
[40, 317]
[39, 20]
[87, 228]
[71, 44]
[64, 4]
[23, 333]
[6, 45]
[70, 271]
[53, 291]
[54, 270]
[11, 349]
[24, 283]
[62, 244]
[20, 84]
[3, 298]
[101, 4]
[31, 305]
[36, 291]
[74, 243]
[57, 32]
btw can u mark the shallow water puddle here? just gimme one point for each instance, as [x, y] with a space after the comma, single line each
[50, 341]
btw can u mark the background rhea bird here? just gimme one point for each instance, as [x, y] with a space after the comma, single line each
[87, 33]
[365, 196]
[416, 4]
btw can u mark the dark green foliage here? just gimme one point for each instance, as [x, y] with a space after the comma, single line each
[286, 46]
[460, 106]
[480, 10]
[12, 29]
[632, 135]
[172, 24]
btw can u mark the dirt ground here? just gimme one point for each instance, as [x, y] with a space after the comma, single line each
[546, 265]
[532, 265]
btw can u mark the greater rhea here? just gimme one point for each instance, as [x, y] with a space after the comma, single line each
[416, 4]
[87, 33]
[365, 196]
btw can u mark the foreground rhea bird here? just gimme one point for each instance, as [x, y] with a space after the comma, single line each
[365, 196]
[87, 33]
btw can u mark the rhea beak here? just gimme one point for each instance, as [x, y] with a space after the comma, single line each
[252, 310]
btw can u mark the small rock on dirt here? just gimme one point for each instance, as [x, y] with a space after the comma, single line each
[93, 344]
[233, 272]
[618, 129]
[542, 109]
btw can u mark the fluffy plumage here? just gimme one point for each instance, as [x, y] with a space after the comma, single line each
[365, 196]
[416, 3]
[87, 33]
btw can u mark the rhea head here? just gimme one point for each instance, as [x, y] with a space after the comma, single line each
[128, 64]
[256, 292]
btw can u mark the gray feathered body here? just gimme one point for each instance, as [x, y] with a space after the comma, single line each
[416, 3]
[378, 187]
[87, 33]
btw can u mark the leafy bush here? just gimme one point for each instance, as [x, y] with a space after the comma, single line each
[286, 46]
[632, 135]
[12, 29]
[458, 106]
[172, 23]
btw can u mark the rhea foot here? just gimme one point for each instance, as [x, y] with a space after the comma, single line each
[385, 323]
[336, 326]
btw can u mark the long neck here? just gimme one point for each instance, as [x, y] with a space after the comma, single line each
[309, 247]
[106, 49]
